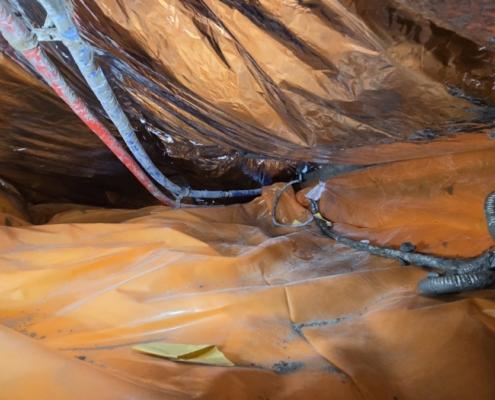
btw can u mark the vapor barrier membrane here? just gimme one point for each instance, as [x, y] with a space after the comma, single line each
[297, 314]
[230, 91]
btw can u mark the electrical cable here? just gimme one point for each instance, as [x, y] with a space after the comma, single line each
[84, 56]
[458, 274]
[23, 40]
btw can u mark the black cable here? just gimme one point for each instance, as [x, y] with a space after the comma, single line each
[459, 274]
[490, 213]
[457, 282]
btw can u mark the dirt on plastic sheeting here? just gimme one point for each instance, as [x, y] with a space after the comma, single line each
[298, 315]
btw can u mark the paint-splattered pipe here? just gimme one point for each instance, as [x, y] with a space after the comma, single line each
[83, 54]
[15, 31]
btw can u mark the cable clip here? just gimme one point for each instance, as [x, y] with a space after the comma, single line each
[184, 192]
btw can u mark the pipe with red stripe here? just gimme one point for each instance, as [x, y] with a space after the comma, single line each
[15, 31]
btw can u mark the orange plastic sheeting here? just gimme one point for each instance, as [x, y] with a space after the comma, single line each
[299, 316]
[400, 151]
[435, 203]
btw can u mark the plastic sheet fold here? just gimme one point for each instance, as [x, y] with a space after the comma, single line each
[297, 314]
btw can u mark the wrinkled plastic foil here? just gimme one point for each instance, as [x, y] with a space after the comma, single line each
[229, 91]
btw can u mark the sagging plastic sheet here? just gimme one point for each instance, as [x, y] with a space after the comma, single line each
[228, 91]
[300, 316]
[297, 79]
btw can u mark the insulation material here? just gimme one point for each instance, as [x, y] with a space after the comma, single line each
[231, 91]
[298, 315]
[307, 76]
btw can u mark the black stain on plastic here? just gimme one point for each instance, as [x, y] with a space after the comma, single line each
[450, 189]
[284, 367]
